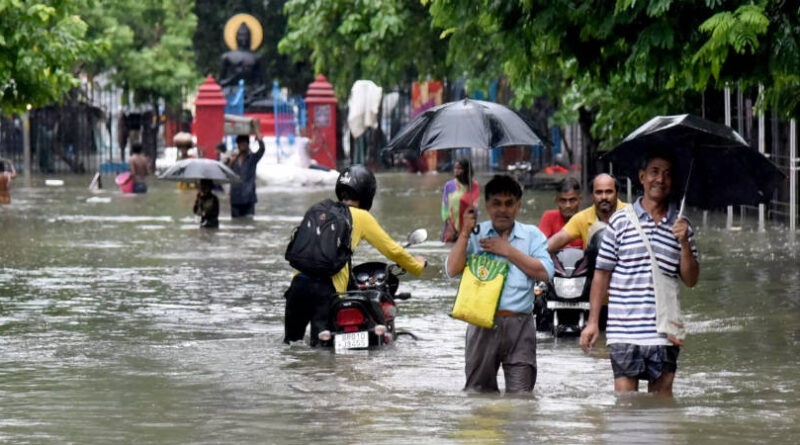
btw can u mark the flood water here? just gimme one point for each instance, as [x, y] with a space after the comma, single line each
[122, 322]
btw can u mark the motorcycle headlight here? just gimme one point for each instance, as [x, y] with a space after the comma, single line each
[569, 287]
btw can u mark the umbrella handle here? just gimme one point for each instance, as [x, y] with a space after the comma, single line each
[685, 190]
[475, 229]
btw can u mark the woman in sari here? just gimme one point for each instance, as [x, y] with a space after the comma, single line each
[456, 199]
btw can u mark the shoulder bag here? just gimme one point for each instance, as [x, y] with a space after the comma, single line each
[668, 306]
[479, 291]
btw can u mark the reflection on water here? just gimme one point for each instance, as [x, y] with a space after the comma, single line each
[122, 322]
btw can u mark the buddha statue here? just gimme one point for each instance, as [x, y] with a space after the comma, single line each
[243, 63]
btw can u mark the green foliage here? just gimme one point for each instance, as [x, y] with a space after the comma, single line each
[739, 30]
[608, 65]
[150, 50]
[41, 44]
[619, 63]
[387, 41]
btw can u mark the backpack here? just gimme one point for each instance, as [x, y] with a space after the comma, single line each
[321, 244]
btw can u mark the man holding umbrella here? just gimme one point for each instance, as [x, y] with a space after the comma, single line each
[624, 271]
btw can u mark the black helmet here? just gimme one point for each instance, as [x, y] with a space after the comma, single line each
[357, 183]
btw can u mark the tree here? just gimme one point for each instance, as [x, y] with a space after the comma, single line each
[41, 43]
[150, 50]
[610, 66]
[390, 42]
[150, 53]
[755, 43]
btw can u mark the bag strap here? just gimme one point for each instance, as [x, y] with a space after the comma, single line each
[631, 214]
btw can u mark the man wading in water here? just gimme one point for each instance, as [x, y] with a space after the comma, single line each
[637, 350]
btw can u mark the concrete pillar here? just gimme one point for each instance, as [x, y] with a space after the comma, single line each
[26, 146]
[729, 220]
[792, 175]
[761, 149]
[209, 119]
[321, 105]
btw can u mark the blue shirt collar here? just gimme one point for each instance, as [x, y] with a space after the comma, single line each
[516, 231]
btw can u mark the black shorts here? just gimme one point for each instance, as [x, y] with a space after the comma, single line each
[643, 362]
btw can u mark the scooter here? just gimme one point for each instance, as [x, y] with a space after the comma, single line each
[568, 294]
[364, 315]
[562, 305]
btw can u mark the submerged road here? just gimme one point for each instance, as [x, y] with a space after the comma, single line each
[122, 322]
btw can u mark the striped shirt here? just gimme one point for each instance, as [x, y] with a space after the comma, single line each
[632, 302]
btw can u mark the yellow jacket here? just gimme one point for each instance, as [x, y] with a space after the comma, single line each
[366, 227]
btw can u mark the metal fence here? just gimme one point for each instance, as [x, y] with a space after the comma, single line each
[66, 138]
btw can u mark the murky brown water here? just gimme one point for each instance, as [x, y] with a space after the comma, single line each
[121, 322]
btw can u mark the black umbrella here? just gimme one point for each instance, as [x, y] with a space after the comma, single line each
[465, 123]
[715, 166]
[199, 168]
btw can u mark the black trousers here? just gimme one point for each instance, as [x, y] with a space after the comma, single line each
[308, 300]
[240, 210]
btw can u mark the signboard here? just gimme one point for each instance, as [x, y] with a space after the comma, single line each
[322, 115]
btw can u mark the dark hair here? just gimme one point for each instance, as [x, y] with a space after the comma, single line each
[660, 153]
[242, 138]
[221, 147]
[136, 148]
[501, 185]
[569, 184]
[207, 182]
[466, 165]
[616, 182]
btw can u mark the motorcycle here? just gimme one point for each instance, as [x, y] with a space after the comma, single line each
[562, 305]
[364, 315]
[523, 172]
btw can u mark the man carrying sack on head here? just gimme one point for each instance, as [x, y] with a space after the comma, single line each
[512, 341]
[645, 249]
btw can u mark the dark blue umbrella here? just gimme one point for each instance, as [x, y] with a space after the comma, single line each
[715, 166]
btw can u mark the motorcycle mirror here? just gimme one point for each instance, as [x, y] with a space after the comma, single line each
[416, 237]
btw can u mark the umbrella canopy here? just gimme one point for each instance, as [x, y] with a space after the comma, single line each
[724, 169]
[199, 168]
[465, 123]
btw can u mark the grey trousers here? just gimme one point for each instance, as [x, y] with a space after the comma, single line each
[511, 343]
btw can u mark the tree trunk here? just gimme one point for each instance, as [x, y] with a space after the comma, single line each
[591, 165]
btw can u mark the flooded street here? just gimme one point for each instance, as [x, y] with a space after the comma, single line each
[122, 322]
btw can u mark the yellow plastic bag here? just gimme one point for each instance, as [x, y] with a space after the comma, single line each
[479, 291]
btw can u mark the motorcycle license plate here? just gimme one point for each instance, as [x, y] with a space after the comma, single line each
[351, 340]
[568, 305]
